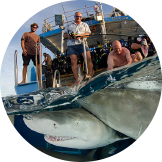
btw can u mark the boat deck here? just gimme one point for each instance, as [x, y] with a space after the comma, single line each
[68, 80]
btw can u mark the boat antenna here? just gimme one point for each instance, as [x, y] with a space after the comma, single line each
[64, 11]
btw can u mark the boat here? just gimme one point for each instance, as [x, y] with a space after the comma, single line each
[105, 28]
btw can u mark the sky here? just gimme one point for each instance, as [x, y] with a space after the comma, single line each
[7, 82]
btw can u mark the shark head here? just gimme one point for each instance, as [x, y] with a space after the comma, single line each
[72, 128]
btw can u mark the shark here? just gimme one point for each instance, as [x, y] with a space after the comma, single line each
[145, 85]
[72, 128]
[128, 111]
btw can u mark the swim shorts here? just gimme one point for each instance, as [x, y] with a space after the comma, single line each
[26, 59]
[76, 49]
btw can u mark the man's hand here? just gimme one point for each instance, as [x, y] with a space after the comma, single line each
[25, 52]
[76, 37]
[67, 36]
[23, 47]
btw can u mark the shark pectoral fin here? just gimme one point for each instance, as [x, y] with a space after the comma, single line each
[90, 155]
[121, 136]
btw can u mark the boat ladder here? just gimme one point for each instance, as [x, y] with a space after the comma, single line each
[56, 80]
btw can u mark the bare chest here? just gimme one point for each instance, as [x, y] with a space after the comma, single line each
[120, 60]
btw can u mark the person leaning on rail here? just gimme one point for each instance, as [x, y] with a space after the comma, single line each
[119, 56]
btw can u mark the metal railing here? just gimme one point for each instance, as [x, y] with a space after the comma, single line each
[85, 56]
[15, 68]
[87, 11]
[39, 80]
[55, 84]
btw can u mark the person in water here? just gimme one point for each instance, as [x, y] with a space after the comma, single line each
[28, 44]
[75, 44]
[119, 56]
[140, 48]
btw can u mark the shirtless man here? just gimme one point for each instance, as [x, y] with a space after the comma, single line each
[119, 56]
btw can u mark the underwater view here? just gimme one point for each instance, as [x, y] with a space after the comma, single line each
[107, 117]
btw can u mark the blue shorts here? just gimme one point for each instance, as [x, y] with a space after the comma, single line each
[76, 49]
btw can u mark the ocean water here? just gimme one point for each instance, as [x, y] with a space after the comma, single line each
[145, 74]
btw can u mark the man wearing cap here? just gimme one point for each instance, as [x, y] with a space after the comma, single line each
[28, 44]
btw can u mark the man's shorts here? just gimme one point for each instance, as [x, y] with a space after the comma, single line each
[76, 49]
[26, 59]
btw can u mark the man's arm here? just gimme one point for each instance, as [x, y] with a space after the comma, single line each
[44, 60]
[135, 46]
[87, 31]
[23, 47]
[110, 62]
[66, 32]
[23, 44]
[67, 36]
[128, 56]
[82, 35]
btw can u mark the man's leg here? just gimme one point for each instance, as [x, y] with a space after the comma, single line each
[26, 60]
[89, 63]
[25, 67]
[74, 67]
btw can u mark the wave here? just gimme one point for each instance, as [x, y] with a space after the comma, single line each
[147, 71]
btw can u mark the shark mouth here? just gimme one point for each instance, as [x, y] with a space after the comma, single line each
[57, 138]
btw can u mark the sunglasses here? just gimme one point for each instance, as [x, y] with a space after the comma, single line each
[34, 26]
[79, 16]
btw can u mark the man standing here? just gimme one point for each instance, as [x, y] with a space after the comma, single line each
[119, 56]
[75, 44]
[28, 44]
[48, 61]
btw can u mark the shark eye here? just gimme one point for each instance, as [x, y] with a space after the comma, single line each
[77, 122]
[54, 125]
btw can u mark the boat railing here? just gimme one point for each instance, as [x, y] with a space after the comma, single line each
[40, 67]
[55, 81]
[49, 23]
[87, 12]
[15, 68]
